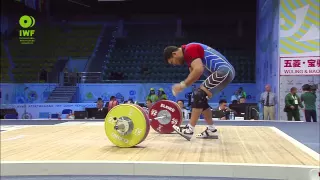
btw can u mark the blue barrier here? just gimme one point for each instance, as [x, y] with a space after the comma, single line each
[25, 93]
[88, 93]
[139, 92]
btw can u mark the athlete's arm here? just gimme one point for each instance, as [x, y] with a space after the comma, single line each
[193, 55]
[195, 73]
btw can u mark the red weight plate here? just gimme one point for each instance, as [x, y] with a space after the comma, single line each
[168, 109]
[147, 120]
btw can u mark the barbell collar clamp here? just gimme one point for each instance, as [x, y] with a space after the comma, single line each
[119, 127]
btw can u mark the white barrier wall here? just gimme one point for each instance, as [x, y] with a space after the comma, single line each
[36, 111]
[38, 93]
[299, 47]
[42, 111]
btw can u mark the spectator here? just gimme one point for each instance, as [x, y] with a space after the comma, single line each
[162, 95]
[112, 103]
[242, 93]
[152, 96]
[101, 112]
[99, 99]
[242, 100]
[130, 101]
[268, 100]
[185, 112]
[224, 108]
[235, 102]
[292, 103]
[99, 105]
[149, 104]
[235, 96]
[181, 104]
[309, 98]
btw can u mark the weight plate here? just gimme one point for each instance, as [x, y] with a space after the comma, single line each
[148, 122]
[139, 128]
[163, 115]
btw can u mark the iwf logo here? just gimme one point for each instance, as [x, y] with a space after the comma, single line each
[26, 34]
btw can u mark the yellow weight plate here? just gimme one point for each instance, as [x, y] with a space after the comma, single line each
[126, 111]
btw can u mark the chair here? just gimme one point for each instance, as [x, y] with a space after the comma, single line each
[11, 116]
[55, 116]
[66, 111]
[44, 115]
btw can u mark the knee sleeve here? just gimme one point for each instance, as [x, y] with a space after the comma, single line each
[199, 99]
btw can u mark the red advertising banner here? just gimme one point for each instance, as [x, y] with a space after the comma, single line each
[300, 66]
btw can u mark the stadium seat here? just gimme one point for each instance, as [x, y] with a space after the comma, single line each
[50, 44]
[145, 48]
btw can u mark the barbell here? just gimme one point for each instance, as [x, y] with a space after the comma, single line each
[127, 125]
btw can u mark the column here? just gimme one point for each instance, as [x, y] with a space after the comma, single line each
[267, 55]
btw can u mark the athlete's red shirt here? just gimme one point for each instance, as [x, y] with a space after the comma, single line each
[192, 52]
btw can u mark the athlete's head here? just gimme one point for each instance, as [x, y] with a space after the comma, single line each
[173, 55]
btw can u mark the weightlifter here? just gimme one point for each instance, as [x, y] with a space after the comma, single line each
[201, 60]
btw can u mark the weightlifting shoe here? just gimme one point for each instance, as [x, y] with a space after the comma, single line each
[183, 131]
[184, 126]
[208, 134]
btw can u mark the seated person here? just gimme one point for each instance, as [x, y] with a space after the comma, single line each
[235, 96]
[99, 99]
[152, 96]
[242, 100]
[101, 112]
[130, 101]
[223, 107]
[112, 103]
[185, 112]
[162, 95]
[148, 105]
[235, 102]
